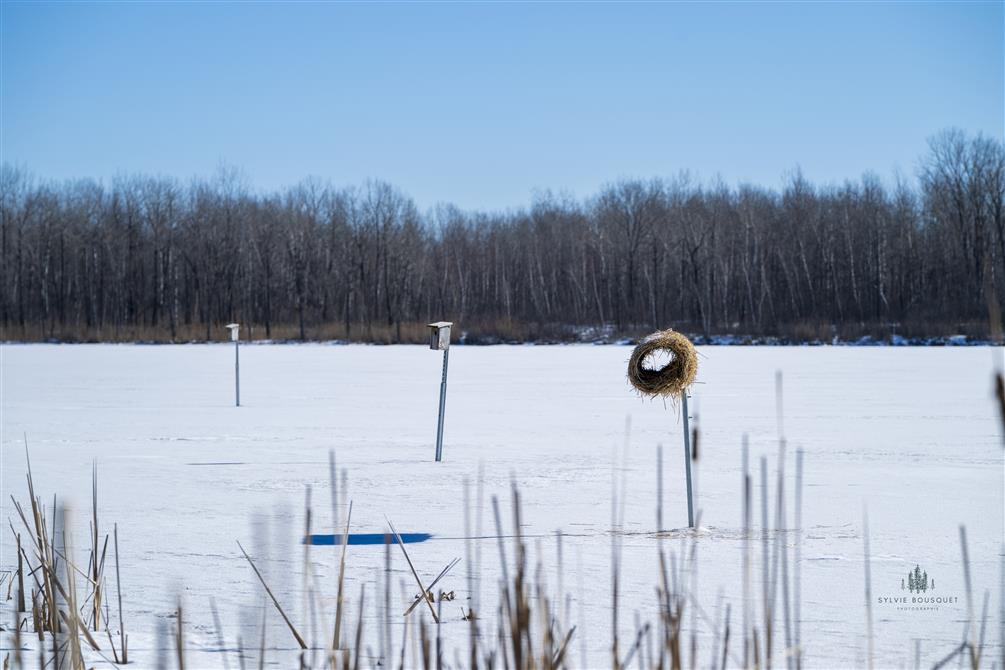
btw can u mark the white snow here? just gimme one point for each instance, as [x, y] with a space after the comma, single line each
[910, 434]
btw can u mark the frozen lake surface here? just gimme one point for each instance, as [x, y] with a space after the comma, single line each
[910, 434]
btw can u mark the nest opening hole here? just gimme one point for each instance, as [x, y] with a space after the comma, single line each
[658, 360]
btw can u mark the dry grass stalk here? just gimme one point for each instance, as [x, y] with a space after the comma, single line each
[746, 551]
[472, 627]
[783, 551]
[179, 640]
[559, 658]
[17, 640]
[341, 581]
[411, 567]
[386, 651]
[306, 568]
[358, 647]
[673, 378]
[118, 590]
[797, 562]
[261, 642]
[39, 534]
[767, 592]
[75, 627]
[527, 627]
[976, 654]
[20, 575]
[296, 634]
[868, 589]
[428, 594]
[111, 644]
[96, 565]
[219, 632]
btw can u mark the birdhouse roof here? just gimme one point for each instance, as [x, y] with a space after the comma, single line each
[233, 325]
[441, 324]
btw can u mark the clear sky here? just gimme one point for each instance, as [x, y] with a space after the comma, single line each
[481, 104]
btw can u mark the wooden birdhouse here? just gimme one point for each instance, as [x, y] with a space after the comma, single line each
[439, 335]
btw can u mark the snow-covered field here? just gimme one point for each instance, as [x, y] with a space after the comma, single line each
[910, 434]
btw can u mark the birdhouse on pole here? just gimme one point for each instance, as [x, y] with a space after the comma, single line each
[439, 340]
[235, 330]
[439, 335]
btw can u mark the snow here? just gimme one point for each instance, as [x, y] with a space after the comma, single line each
[908, 434]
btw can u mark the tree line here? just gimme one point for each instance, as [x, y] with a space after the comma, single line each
[154, 258]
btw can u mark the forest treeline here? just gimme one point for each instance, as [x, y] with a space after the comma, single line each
[152, 258]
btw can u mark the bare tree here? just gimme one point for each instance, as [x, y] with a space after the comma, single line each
[153, 258]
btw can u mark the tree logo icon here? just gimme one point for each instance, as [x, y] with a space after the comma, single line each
[917, 581]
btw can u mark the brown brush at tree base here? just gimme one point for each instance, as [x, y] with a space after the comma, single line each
[673, 378]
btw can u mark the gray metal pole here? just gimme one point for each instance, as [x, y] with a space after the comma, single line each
[443, 402]
[237, 375]
[687, 462]
[659, 488]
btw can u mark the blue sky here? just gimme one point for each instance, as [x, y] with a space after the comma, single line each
[481, 104]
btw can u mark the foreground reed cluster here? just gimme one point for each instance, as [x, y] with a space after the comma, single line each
[66, 603]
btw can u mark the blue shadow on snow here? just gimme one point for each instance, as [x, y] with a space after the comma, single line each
[365, 538]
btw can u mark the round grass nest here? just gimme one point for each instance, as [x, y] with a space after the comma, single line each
[673, 378]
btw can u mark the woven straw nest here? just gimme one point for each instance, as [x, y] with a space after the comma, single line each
[673, 378]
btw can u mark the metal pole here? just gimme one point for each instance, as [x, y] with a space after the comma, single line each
[237, 375]
[659, 488]
[443, 402]
[687, 462]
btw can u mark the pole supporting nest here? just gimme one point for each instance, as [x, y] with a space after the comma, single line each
[670, 381]
[687, 460]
